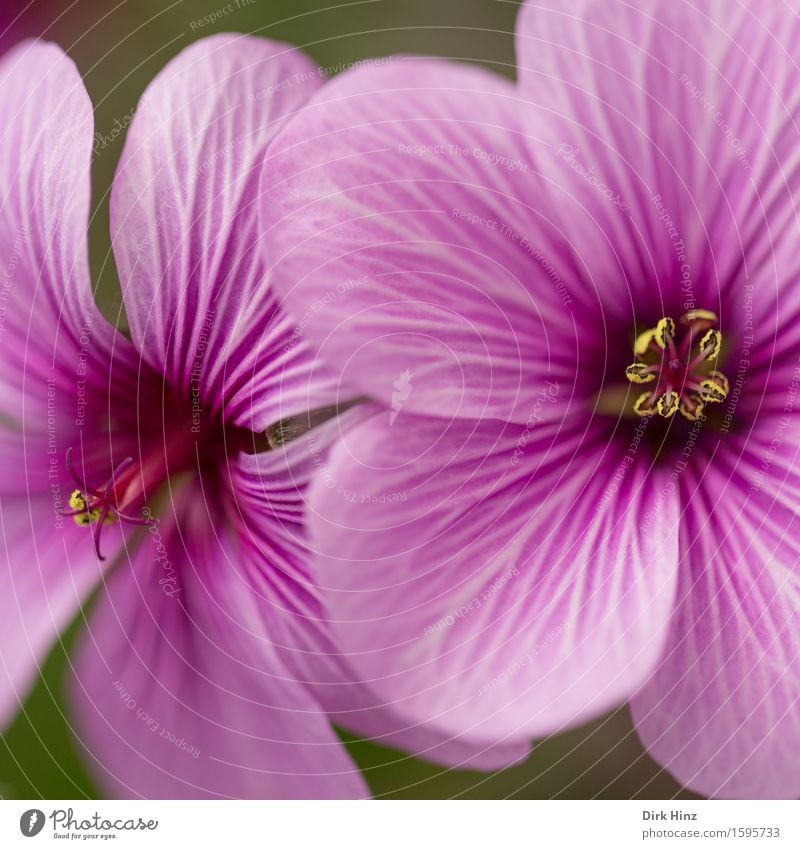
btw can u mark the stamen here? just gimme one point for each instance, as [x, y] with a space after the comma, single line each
[664, 332]
[710, 344]
[94, 507]
[642, 342]
[699, 315]
[691, 408]
[76, 477]
[82, 513]
[668, 404]
[719, 378]
[715, 389]
[642, 405]
[640, 373]
[684, 373]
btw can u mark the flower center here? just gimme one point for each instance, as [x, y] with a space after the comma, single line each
[187, 444]
[680, 360]
[183, 445]
[130, 485]
[99, 506]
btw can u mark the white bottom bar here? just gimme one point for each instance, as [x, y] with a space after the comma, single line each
[404, 825]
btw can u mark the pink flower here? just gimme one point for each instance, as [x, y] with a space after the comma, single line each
[142, 465]
[529, 538]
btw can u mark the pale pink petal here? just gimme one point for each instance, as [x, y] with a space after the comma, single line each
[493, 581]
[669, 136]
[60, 357]
[402, 214]
[180, 692]
[48, 570]
[268, 491]
[722, 711]
[184, 226]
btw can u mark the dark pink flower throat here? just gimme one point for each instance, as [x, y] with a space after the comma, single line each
[135, 480]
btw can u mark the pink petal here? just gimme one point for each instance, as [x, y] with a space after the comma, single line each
[397, 208]
[184, 227]
[45, 158]
[180, 691]
[722, 711]
[493, 582]
[48, 571]
[53, 341]
[671, 129]
[269, 494]
[54, 345]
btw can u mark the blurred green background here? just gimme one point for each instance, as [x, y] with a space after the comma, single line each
[119, 47]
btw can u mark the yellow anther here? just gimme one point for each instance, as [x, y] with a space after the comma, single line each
[77, 501]
[668, 404]
[692, 413]
[639, 373]
[710, 344]
[715, 388]
[89, 518]
[665, 330]
[642, 342]
[699, 315]
[680, 362]
[719, 378]
[641, 406]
